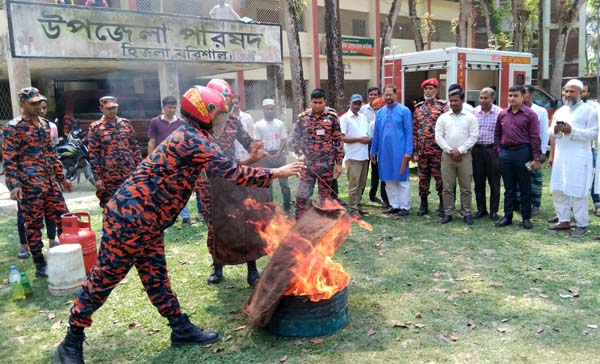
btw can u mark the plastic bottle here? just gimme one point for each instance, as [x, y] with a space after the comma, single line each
[26, 286]
[16, 287]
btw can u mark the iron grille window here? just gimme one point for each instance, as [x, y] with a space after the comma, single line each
[359, 27]
[268, 16]
[147, 5]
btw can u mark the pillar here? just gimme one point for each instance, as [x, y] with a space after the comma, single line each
[18, 77]
[168, 79]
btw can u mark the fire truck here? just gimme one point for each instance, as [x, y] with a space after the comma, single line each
[473, 69]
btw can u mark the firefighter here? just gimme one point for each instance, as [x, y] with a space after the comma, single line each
[32, 169]
[114, 150]
[317, 141]
[148, 203]
[234, 131]
[427, 153]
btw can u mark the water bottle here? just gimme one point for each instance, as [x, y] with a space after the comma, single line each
[26, 286]
[16, 288]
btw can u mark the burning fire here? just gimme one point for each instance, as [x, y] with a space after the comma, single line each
[315, 275]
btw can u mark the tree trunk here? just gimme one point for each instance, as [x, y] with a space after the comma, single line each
[462, 26]
[568, 17]
[335, 63]
[276, 81]
[388, 28]
[292, 13]
[489, 26]
[520, 17]
[415, 22]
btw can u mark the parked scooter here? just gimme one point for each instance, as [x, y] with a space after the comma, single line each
[74, 156]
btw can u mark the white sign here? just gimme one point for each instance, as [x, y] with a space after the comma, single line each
[56, 31]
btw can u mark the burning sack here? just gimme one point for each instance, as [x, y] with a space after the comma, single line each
[235, 241]
[301, 264]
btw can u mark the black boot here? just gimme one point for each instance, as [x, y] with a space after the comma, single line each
[441, 208]
[253, 275]
[70, 350]
[216, 275]
[424, 208]
[184, 332]
[41, 268]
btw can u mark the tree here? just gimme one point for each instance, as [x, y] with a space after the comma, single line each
[461, 27]
[488, 14]
[520, 15]
[567, 20]
[293, 9]
[388, 27]
[335, 62]
[415, 22]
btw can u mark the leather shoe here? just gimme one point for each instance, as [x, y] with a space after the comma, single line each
[553, 220]
[481, 214]
[559, 226]
[375, 199]
[446, 219]
[403, 212]
[468, 219]
[494, 216]
[505, 221]
[527, 224]
[391, 211]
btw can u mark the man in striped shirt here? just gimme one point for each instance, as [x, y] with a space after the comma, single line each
[485, 158]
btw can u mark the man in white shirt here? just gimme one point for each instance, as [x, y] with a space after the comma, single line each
[585, 97]
[355, 135]
[272, 133]
[247, 123]
[456, 132]
[224, 11]
[574, 127]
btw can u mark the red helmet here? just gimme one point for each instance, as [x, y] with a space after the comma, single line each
[201, 104]
[222, 87]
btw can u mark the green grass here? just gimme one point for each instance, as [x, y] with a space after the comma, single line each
[491, 289]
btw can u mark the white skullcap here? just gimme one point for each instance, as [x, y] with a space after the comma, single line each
[575, 82]
[268, 102]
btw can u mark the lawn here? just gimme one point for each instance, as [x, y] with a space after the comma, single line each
[420, 292]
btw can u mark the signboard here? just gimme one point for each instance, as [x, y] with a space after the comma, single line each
[51, 31]
[351, 46]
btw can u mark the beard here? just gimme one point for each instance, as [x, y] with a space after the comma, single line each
[570, 102]
[428, 98]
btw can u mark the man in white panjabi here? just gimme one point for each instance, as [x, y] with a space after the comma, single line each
[574, 127]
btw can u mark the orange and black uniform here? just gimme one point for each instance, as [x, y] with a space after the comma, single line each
[319, 139]
[429, 154]
[145, 205]
[31, 163]
[234, 130]
[114, 154]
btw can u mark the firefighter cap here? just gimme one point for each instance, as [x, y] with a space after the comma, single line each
[31, 95]
[430, 82]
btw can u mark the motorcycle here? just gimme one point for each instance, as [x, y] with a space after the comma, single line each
[74, 156]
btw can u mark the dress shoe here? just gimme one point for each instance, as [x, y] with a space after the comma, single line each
[559, 227]
[535, 211]
[375, 199]
[468, 219]
[527, 224]
[187, 221]
[553, 220]
[446, 218]
[216, 275]
[403, 212]
[391, 211]
[578, 232]
[505, 221]
[385, 206]
[481, 214]
[494, 216]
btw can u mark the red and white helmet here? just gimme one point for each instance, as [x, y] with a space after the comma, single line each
[202, 104]
[223, 87]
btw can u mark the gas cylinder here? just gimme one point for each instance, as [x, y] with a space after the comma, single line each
[77, 229]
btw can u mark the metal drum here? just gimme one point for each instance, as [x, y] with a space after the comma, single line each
[298, 317]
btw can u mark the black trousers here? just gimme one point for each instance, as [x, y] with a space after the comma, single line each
[375, 182]
[514, 172]
[486, 168]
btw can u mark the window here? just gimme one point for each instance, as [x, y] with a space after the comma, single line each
[541, 99]
[443, 31]
[359, 27]
[268, 16]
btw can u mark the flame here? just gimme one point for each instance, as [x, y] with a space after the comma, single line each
[315, 274]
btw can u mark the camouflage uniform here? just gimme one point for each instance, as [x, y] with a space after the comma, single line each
[31, 163]
[143, 207]
[114, 154]
[319, 139]
[429, 154]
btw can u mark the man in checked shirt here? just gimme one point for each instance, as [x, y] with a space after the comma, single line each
[485, 158]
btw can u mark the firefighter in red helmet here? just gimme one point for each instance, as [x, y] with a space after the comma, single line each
[149, 202]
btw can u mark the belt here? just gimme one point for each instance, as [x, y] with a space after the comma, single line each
[273, 151]
[485, 145]
[515, 147]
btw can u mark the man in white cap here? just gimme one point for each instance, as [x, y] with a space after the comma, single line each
[574, 127]
[355, 135]
[272, 133]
